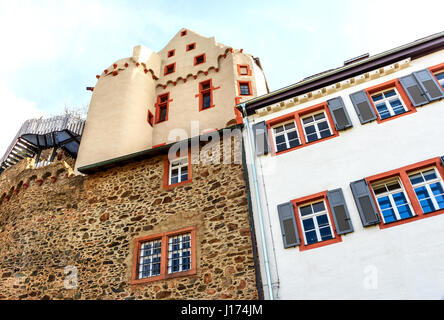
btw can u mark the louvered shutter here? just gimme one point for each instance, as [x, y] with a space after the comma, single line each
[363, 107]
[414, 90]
[364, 202]
[340, 212]
[289, 230]
[429, 84]
[260, 133]
[339, 113]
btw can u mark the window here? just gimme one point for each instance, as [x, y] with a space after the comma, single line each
[162, 108]
[150, 118]
[171, 53]
[243, 70]
[315, 221]
[440, 78]
[286, 136]
[392, 200]
[316, 127]
[428, 188]
[178, 171]
[191, 46]
[244, 88]
[170, 68]
[183, 33]
[199, 59]
[164, 256]
[205, 95]
[388, 103]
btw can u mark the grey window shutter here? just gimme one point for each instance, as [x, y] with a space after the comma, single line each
[288, 225]
[429, 84]
[339, 113]
[363, 107]
[340, 212]
[364, 202]
[261, 138]
[414, 90]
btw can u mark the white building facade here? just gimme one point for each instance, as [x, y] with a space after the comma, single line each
[347, 186]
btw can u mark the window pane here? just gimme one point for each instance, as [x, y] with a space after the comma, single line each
[322, 220]
[437, 188]
[281, 147]
[279, 129]
[430, 175]
[323, 125]
[319, 116]
[377, 97]
[399, 198]
[310, 129]
[404, 211]
[184, 177]
[427, 205]
[294, 143]
[383, 111]
[325, 233]
[389, 215]
[422, 193]
[380, 190]
[206, 100]
[305, 210]
[384, 203]
[318, 207]
[312, 137]
[307, 120]
[393, 186]
[311, 237]
[280, 139]
[292, 135]
[417, 178]
[289, 126]
[308, 224]
[390, 93]
[325, 133]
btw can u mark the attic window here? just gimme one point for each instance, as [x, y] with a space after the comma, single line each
[183, 33]
[191, 46]
[171, 53]
[199, 59]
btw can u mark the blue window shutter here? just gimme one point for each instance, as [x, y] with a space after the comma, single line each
[429, 85]
[363, 107]
[289, 230]
[339, 113]
[414, 90]
[364, 202]
[261, 143]
[340, 212]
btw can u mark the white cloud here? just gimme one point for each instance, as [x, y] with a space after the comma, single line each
[14, 111]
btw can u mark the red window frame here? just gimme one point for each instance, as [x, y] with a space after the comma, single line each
[150, 118]
[304, 200]
[239, 66]
[198, 56]
[166, 173]
[183, 33]
[189, 45]
[385, 86]
[402, 174]
[239, 82]
[171, 53]
[173, 65]
[296, 116]
[201, 93]
[436, 69]
[164, 256]
[164, 104]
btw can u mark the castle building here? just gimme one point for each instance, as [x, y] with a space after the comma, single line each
[347, 173]
[147, 206]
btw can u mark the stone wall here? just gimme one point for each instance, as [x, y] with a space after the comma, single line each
[54, 225]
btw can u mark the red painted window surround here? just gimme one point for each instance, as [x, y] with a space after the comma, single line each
[198, 56]
[164, 256]
[191, 46]
[402, 174]
[436, 69]
[166, 173]
[165, 70]
[150, 118]
[296, 116]
[171, 53]
[387, 85]
[301, 201]
[160, 104]
[202, 92]
[249, 88]
[183, 33]
[239, 66]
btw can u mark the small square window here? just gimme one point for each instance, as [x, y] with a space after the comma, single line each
[244, 88]
[286, 136]
[183, 33]
[170, 68]
[178, 171]
[316, 127]
[150, 118]
[199, 59]
[191, 46]
[243, 70]
[429, 190]
[171, 53]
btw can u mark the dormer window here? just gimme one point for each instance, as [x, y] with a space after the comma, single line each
[199, 59]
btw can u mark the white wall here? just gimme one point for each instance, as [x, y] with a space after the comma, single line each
[408, 259]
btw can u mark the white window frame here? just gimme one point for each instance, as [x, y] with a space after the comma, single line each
[157, 255]
[427, 184]
[285, 134]
[389, 194]
[315, 123]
[441, 82]
[179, 167]
[181, 250]
[315, 221]
[386, 101]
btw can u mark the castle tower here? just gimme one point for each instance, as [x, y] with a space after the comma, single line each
[139, 100]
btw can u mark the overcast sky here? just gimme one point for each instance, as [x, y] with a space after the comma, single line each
[52, 50]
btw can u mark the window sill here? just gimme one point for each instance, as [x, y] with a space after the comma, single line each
[320, 244]
[164, 277]
[411, 219]
[274, 153]
[169, 186]
[205, 109]
[379, 120]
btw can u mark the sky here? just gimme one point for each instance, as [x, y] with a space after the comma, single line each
[52, 50]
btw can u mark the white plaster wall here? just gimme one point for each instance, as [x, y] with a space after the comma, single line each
[408, 259]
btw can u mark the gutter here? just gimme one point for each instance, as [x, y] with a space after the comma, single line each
[414, 49]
